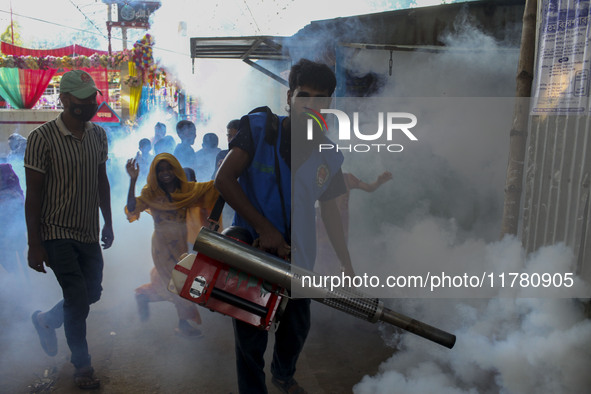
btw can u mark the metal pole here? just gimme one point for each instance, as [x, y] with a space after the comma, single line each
[518, 134]
[124, 37]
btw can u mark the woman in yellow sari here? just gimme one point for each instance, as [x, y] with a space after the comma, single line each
[170, 199]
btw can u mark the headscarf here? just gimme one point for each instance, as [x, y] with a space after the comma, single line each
[190, 194]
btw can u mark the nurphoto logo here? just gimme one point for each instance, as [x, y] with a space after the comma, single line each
[396, 123]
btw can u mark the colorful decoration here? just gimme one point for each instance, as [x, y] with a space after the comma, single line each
[135, 92]
[133, 81]
[141, 55]
[49, 62]
[144, 72]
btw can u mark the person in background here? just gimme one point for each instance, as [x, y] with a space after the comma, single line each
[231, 131]
[169, 197]
[352, 182]
[184, 152]
[206, 156]
[165, 145]
[195, 218]
[326, 259]
[190, 174]
[67, 183]
[159, 132]
[255, 179]
[17, 144]
[144, 158]
[13, 239]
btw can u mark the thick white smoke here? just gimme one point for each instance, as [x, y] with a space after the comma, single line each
[442, 211]
[503, 346]
[507, 345]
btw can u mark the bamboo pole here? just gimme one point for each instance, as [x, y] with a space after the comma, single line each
[518, 134]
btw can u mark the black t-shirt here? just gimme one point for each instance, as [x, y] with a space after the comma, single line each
[244, 141]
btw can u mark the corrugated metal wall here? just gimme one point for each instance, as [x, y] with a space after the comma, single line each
[557, 182]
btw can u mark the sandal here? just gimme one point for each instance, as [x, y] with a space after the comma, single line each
[46, 334]
[290, 386]
[188, 332]
[84, 379]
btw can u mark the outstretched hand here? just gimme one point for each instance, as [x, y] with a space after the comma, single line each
[133, 169]
[384, 177]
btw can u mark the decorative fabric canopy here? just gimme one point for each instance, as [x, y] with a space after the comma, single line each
[23, 88]
[70, 50]
[15, 83]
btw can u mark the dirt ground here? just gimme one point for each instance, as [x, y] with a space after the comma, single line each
[133, 357]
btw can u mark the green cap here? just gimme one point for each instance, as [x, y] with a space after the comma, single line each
[79, 84]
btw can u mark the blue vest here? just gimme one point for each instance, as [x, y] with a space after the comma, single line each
[259, 180]
[311, 179]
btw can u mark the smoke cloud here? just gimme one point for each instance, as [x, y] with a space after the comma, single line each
[442, 211]
[504, 345]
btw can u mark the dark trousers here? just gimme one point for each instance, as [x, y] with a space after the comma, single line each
[78, 268]
[251, 343]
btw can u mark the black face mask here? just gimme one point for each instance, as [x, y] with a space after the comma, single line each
[83, 112]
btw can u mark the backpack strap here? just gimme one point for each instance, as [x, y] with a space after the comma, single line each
[216, 212]
[271, 124]
[271, 136]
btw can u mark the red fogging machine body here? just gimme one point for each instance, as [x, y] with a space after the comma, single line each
[229, 291]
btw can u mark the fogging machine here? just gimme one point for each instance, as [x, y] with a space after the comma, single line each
[238, 280]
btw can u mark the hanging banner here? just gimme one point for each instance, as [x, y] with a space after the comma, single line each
[563, 66]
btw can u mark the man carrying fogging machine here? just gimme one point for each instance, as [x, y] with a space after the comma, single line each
[256, 179]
